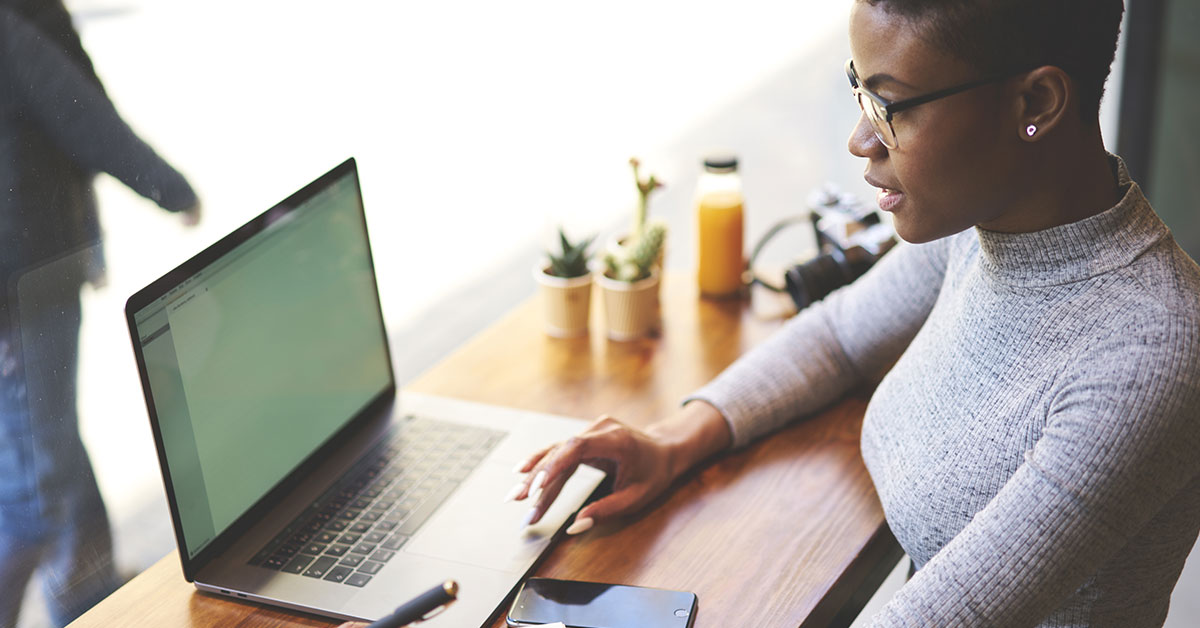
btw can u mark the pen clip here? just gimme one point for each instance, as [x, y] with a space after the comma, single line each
[433, 613]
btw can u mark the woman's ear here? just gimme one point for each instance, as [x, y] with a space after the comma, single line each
[1044, 97]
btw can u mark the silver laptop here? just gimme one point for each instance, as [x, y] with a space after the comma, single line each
[296, 475]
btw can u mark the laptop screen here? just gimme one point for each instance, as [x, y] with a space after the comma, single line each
[259, 357]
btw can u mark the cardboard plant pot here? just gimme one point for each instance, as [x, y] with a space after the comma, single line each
[630, 308]
[566, 302]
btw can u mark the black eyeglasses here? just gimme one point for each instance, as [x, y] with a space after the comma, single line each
[880, 110]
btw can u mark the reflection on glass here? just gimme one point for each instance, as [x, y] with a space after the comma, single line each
[57, 130]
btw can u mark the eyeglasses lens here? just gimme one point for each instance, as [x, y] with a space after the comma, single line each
[878, 119]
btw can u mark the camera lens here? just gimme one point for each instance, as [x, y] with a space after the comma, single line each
[813, 280]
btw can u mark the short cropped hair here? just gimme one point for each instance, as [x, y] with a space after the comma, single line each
[997, 36]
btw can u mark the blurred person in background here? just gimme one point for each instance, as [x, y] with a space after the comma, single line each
[57, 129]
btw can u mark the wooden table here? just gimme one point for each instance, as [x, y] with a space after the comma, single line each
[787, 532]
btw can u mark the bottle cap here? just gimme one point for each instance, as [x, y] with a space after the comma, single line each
[721, 163]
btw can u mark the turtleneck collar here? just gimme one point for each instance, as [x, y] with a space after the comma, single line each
[1076, 251]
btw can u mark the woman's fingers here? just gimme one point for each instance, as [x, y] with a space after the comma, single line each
[541, 467]
[619, 503]
[613, 450]
[606, 444]
[530, 462]
[524, 487]
[549, 476]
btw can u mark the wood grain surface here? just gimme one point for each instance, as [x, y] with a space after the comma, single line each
[786, 532]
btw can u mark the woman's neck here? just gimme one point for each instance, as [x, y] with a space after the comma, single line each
[1068, 177]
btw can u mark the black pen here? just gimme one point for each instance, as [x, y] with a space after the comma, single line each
[416, 609]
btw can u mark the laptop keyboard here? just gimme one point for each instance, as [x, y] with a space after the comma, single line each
[349, 533]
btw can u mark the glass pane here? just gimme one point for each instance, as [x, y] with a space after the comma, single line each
[1176, 142]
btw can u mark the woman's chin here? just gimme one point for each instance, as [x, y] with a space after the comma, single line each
[920, 232]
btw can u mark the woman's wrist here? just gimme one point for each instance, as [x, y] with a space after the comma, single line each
[697, 431]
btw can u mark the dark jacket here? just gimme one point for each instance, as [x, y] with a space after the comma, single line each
[57, 127]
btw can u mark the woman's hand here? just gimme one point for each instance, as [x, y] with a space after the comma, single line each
[641, 463]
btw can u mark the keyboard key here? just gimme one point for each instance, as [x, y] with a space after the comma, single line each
[382, 556]
[276, 562]
[395, 542]
[325, 537]
[263, 555]
[364, 548]
[360, 527]
[387, 525]
[337, 525]
[350, 538]
[339, 574]
[371, 515]
[337, 550]
[352, 560]
[370, 567]
[314, 548]
[320, 567]
[375, 537]
[358, 580]
[297, 564]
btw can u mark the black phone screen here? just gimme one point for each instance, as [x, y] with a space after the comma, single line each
[595, 605]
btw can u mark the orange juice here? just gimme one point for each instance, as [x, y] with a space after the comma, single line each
[720, 227]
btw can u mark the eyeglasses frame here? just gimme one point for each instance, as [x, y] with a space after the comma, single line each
[892, 107]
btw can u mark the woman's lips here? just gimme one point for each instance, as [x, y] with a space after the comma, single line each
[889, 199]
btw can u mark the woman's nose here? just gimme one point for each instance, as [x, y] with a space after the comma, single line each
[863, 142]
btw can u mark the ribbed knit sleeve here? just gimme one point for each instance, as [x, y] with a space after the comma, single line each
[830, 347]
[68, 107]
[1119, 444]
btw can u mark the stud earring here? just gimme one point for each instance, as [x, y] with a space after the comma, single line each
[1030, 130]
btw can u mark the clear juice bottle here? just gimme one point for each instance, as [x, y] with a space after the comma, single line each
[720, 218]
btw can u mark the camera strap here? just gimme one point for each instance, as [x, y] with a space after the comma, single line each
[752, 277]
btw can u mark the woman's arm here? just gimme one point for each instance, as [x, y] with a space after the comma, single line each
[854, 334]
[811, 362]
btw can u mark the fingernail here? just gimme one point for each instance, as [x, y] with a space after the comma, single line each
[538, 481]
[516, 490]
[581, 525]
[528, 518]
[520, 468]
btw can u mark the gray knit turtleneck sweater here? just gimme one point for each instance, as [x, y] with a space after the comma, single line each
[1036, 447]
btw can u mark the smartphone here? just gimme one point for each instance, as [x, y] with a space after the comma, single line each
[596, 605]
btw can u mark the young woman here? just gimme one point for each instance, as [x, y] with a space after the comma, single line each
[1034, 444]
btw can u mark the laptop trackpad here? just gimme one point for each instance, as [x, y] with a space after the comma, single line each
[475, 527]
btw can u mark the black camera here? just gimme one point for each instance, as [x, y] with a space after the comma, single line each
[851, 236]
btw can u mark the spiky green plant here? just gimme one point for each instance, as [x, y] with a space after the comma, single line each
[572, 260]
[635, 260]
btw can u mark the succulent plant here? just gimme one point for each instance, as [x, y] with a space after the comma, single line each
[637, 258]
[572, 261]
